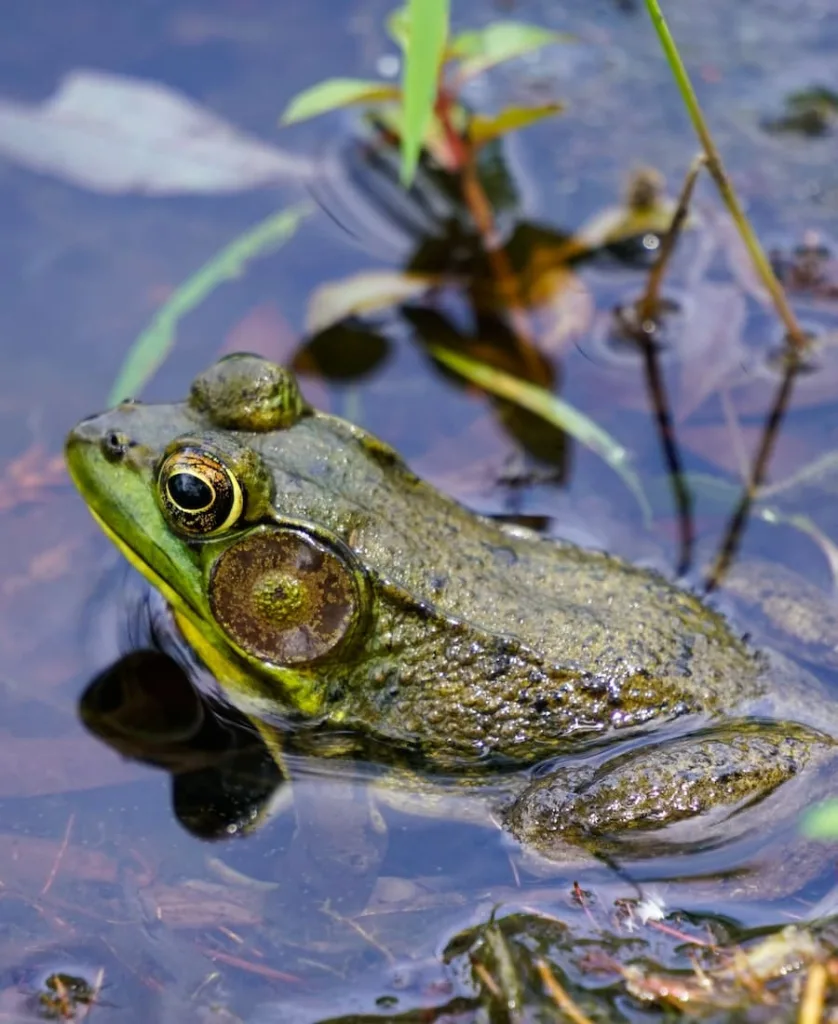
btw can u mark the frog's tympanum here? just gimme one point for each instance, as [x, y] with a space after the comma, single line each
[355, 600]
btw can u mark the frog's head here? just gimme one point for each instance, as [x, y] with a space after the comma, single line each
[188, 492]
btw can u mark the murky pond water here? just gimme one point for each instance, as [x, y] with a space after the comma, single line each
[152, 866]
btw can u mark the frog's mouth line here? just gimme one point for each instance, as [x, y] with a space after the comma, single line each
[147, 571]
[87, 478]
[218, 660]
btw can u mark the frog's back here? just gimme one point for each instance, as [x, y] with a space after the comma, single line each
[583, 611]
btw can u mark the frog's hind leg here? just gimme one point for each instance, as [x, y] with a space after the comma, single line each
[695, 787]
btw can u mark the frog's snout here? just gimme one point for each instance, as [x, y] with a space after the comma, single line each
[95, 431]
[82, 437]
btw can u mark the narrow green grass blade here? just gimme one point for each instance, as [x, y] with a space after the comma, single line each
[428, 34]
[153, 345]
[553, 409]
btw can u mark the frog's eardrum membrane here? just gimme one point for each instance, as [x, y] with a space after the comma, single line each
[284, 597]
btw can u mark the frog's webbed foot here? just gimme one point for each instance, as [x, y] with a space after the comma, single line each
[694, 786]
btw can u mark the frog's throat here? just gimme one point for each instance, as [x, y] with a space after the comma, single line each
[223, 666]
[145, 570]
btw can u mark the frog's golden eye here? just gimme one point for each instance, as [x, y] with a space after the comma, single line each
[199, 495]
[287, 597]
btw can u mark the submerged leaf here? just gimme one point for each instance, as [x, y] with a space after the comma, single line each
[811, 112]
[645, 209]
[335, 93]
[115, 134]
[342, 353]
[565, 304]
[153, 345]
[551, 408]
[484, 128]
[427, 36]
[364, 293]
[500, 41]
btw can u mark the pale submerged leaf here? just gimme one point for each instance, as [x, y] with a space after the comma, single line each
[361, 293]
[115, 134]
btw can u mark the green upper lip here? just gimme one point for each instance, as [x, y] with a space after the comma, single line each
[118, 494]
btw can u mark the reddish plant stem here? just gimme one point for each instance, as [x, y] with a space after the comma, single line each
[649, 305]
[477, 202]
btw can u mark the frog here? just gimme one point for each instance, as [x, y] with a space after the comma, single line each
[343, 601]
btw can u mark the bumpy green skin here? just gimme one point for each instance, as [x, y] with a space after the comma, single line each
[476, 643]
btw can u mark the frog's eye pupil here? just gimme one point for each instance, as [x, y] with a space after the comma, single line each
[189, 492]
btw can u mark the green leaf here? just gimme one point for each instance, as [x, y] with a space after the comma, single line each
[499, 42]
[364, 293]
[427, 36]
[821, 821]
[152, 346]
[398, 26]
[335, 93]
[551, 408]
[510, 119]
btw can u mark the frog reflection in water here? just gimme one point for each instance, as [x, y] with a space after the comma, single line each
[356, 598]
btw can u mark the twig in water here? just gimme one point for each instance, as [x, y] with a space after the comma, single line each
[65, 842]
[641, 324]
[477, 202]
[649, 304]
[739, 519]
[560, 997]
[811, 1005]
[666, 432]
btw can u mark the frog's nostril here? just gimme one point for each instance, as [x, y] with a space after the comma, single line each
[114, 445]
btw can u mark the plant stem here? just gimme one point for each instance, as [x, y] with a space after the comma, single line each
[475, 198]
[649, 303]
[796, 339]
[656, 388]
[739, 520]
